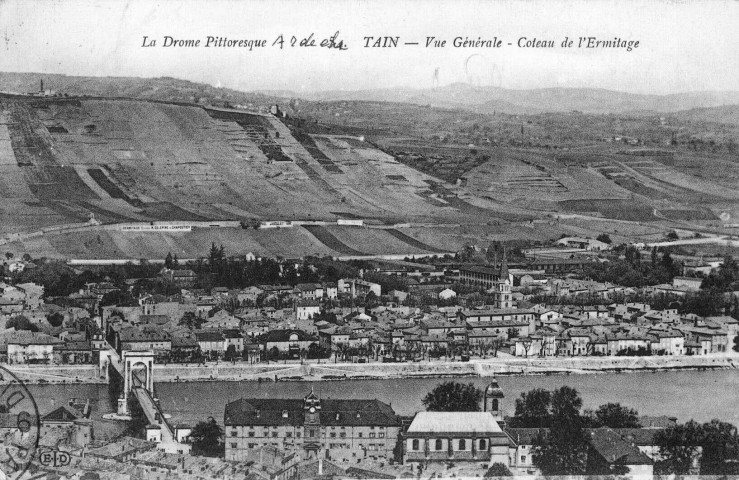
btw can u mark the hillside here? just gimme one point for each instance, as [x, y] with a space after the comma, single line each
[489, 99]
[425, 180]
[162, 88]
[723, 114]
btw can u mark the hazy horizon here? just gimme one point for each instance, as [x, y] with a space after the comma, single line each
[275, 91]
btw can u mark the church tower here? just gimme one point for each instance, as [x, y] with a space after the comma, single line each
[502, 289]
[493, 400]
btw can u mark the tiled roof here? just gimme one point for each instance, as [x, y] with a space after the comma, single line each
[495, 311]
[209, 336]
[614, 449]
[24, 337]
[61, 414]
[139, 335]
[526, 436]
[284, 336]
[448, 422]
[334, 412]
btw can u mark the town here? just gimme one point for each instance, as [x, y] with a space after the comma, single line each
[484, 308]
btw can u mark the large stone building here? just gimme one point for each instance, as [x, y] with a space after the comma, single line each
[343, 430]
[497, 280]
[460, 436]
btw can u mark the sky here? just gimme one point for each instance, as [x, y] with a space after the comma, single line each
[683, 45]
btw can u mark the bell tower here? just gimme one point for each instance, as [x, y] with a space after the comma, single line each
[502, 289]
[312, 424]
[493, 400]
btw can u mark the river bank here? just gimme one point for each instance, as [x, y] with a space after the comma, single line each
[476, 368]
[261, 372]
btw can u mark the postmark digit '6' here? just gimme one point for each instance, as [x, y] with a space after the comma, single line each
[21, 426]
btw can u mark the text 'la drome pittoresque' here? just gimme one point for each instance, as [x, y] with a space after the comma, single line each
[335, 43]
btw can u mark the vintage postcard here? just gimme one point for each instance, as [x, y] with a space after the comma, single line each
[368, 239]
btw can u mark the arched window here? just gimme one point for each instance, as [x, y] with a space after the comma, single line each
[483, 444]
[415, 444]
[462, 444]
[495, 404]
[439, 444]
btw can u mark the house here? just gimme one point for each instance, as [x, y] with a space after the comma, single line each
[67, 426]
[288, 341]
[27, 347]
[233, 338]
[334, 335]
[440, 328]
[717, 338]
[498, 315]
[356, 286]
[313, 427]
[545, 315]
[184, 278]
[331, 290]
[249, 295]
[691, 283]
[11, 306]
[211, 342]
[523, 441]
[142, 339]
[668, 342]
[503, 329]
[184, 347]
[307, 309]
[309, 291]
[608, 452]
[543, 343]
[75, 352]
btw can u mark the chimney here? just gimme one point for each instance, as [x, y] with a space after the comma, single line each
[320, 466]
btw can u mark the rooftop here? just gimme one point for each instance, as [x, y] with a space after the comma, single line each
[449, 422]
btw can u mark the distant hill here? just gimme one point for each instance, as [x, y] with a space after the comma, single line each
[489, 99]
[162, 88]
[457, 95]
[722, 114]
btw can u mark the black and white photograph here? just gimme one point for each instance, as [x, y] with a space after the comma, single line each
[369, 239]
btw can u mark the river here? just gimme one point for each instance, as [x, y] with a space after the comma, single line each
[700, 395]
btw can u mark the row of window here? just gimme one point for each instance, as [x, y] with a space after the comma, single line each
[372, 427]
[457, 444]
[311, 433]
[371, 446]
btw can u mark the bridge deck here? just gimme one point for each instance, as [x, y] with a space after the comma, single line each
[151, 410]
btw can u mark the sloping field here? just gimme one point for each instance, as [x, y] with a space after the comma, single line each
[115, 244]
[536, 181]
[292, 242]
[330, 240]
[413, 242]
[615, 208]
[372, 241]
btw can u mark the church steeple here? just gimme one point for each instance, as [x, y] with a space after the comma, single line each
[504, 266]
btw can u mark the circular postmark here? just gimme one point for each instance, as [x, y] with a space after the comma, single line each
[20, 426]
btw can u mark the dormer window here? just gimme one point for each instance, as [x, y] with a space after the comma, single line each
[257, 413]
[338, 415]
[284, 414]
[358, 415]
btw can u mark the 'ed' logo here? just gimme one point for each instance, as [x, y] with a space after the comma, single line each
[54, 458]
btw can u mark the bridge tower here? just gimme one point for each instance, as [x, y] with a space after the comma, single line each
[138, 371]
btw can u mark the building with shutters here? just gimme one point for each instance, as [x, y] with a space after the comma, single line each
[340, 430]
